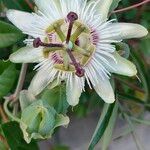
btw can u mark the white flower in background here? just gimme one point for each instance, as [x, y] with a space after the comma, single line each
[72, 42]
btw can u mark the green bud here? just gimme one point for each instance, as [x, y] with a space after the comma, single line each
[39, 120]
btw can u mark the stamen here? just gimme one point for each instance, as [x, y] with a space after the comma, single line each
[37, 42]
[79, 70]
[71, 18]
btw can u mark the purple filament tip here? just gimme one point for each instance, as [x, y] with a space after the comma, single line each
[80, 71]
[72, 16]
[37, 42]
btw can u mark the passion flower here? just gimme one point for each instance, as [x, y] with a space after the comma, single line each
[72, 41]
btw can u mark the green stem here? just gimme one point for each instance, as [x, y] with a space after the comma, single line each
[131, 7]
[20, 81]
[14, 118]
[136, 139]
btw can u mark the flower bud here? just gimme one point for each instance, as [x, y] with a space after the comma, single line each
[39, 120]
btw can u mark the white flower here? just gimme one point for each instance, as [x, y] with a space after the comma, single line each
[93, 57]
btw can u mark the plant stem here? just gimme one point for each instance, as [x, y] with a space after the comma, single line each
[131, 7]
[20, 81]
[3, 140]
[14, 118]
[139, 145]
[3, 115]
[134, 134]
[29, 4]
[130, 85]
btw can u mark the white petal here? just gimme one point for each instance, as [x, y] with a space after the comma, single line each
[122, 66]
[129, 30]
[50, 8]
[27, 55]
[41, 80]
[73, 92]
[26, 22]
[104, 90]
[103, 7]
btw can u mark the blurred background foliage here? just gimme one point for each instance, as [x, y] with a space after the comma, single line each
[132, 94]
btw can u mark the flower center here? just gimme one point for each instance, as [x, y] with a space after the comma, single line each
[68, 44]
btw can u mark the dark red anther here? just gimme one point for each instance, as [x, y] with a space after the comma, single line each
[72, 16]
[37, 42]
[80, 71]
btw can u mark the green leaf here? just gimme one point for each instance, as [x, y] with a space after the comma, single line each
[2, 146]
[102, 125]
[9, 34]
[7, 79]
[145, 46]
[3, 65]
[109, 130]
[15, 139]
[16, 4]
[114, 5]
[144, 73]
[56, 98]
